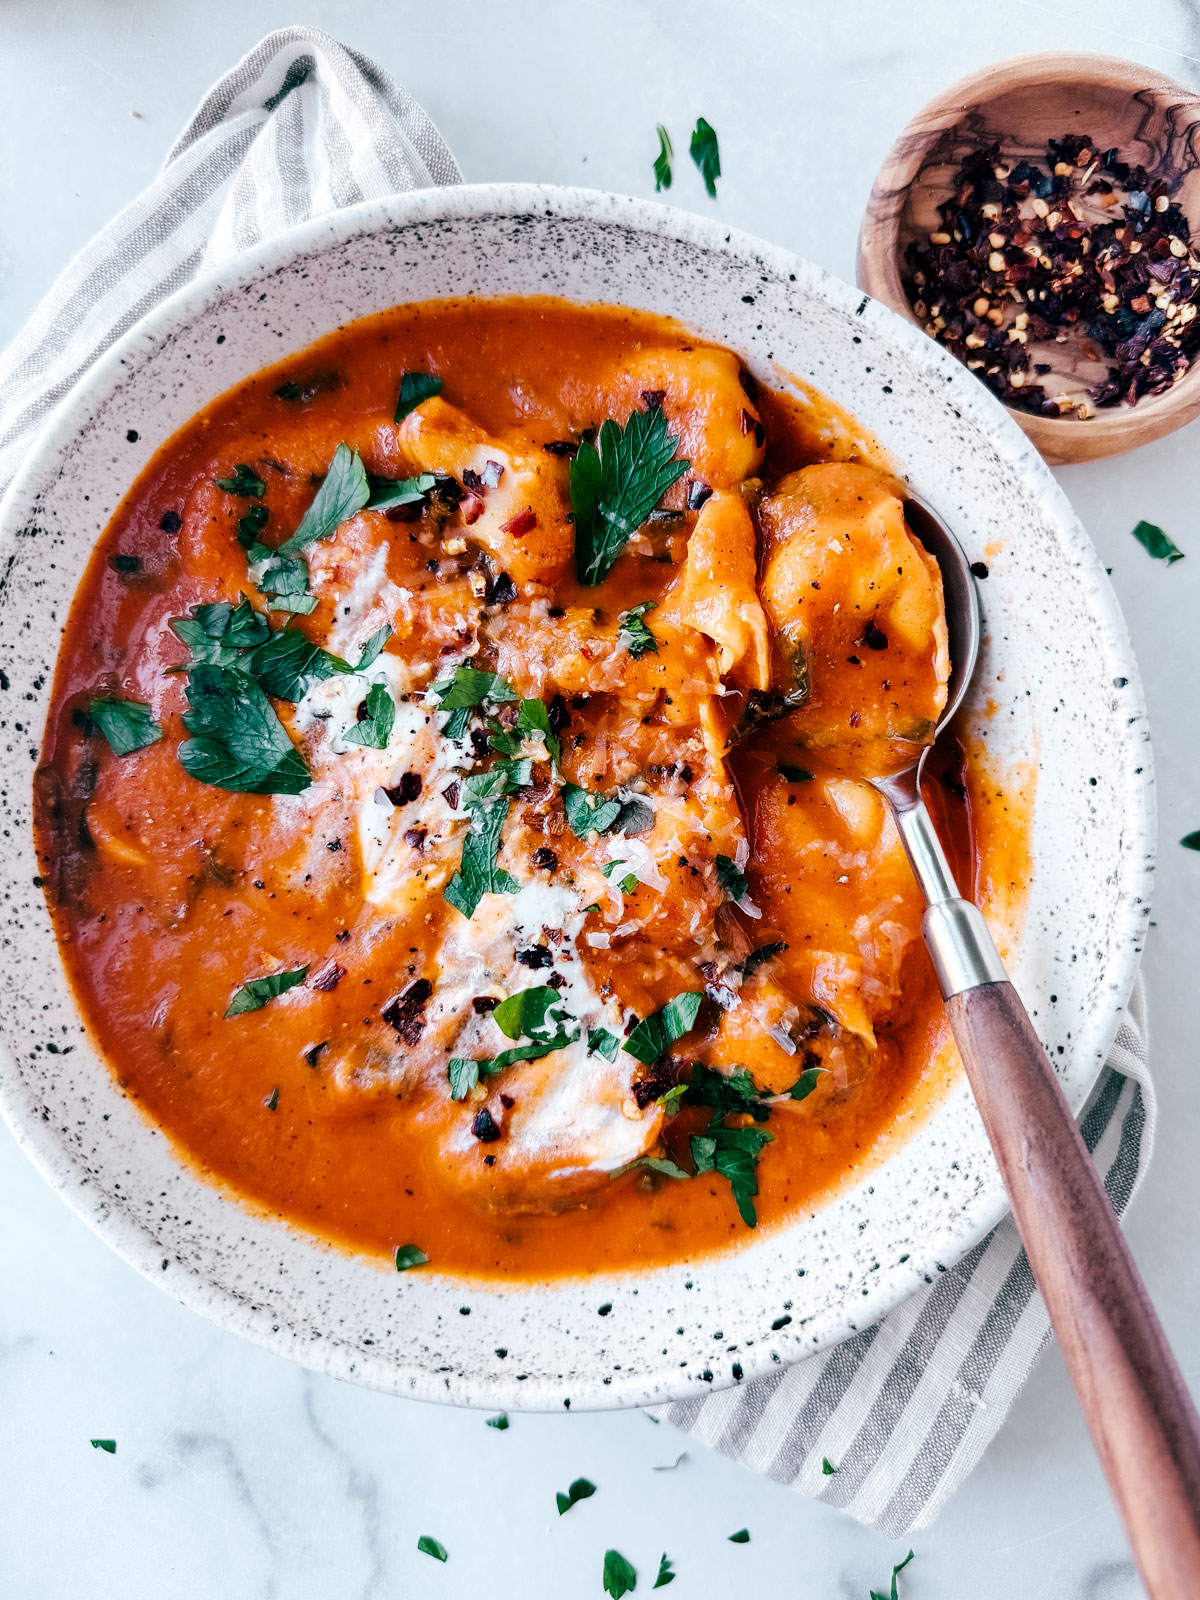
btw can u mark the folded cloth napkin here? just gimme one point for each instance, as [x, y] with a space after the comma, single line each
[303, 126]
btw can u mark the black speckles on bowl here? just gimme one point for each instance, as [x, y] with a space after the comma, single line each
[1055, 646]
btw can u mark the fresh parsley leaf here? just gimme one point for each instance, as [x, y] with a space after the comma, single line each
[581, 1489]
[252, 996]
[587, 812]
[733, 1153]
[615, 485]
[523, 1015]
[500, 1423]
[742, 1536]
[660, 1164]
[283, 581]
[894, 1593]
[666, 1573]
[430, 1547]
[374, 645]
[288, 665]
[272, 1100]
[465, 1073]
[806, 1083]
[239, 744]
[764, 953]
[245, 483]
[415, 387]
[220, 633]
[795, 774]
[467, 688]
[532, 717]
[669, 1101]
[732, 1091]
[706, 154]
[619, 1577]
[1160, 545]
[109, 1446]
[408, 1256]
[478, 873]
[662, 163]
[731, 879]
[628, 883]
[827, 1467]
[655, 1035]
[517, 774]
[375, 729]
[389, 492]
[1191, 841]
[633, 633]
[252, 525]
[342, 495]
[602, 1043]
[126, 724]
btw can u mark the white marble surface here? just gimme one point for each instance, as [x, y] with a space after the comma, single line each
[240, 1477]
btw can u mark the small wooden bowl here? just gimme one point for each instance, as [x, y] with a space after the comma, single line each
[1023, 102]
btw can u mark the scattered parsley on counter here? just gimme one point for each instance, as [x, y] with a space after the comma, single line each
[662, 161]
[245, 483]
[827, 1467]
[655, 1035]
[109, 1446]
[742, 1536]
[500, 1423]
[633, 633]
[126, 724]
[706, 154]
[411, 1255]
[252, 996]
[619, 1577]
[616, 484]
[343, 493]
[375, 729]
[894, 1593]
[666, 1573]
[1159, 544]
[581, 1489]
[239, 743]
[415, 388]
[430, 1547]
[1191, 841]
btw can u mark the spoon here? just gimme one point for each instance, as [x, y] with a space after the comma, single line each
[1135, 1403]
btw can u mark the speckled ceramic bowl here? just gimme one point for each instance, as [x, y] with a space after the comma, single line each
[1057, 665]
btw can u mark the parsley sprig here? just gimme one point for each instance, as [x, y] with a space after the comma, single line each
[662, 161]
[633, 634]
[127, 725]
[238, 741]
[343, 493]
[616, 483]
[706, 154]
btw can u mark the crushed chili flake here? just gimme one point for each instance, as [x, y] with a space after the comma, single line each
[562, 447]
[408, 788]
[652, 399]
[1090, 253]
[406, 1013]
[327, 978]
[656, 1081]
[485, 1127]
[698, 493]
[522, 523]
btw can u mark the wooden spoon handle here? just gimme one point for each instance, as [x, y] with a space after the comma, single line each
[1134, 1400]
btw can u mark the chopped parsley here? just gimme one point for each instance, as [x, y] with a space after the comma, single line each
[408, 1256]
[283, 581]
[272, 1100]
[660, 1164]
[806, 1083]
[375, 729]
[742, 1536]
[464, 1073]
[221, 634]
[616, 483]
[466, 689]
[633, 633]
[252, 996]
[731, 879]
[602, 1043]
[478, 873]
[343, 493]
[795, 774]
[894, 1593]
[666, 1573]
[1191, 841]
[374, 645]
[126, 724]
[706, 154]
[239, 743]
[587, 813]
[245, 483]
[389, 492]
[524, 1014]
[733, 1091]
[733, 1153]
[533, 717]
[619, 1577]
[628, 883]
[500, 1423]
[655, 1035]
[415, 388]
[109, 1446]
[532, 1013]
[430, 1547]
[662, 161]
[827, 1467]
[1159, 544]
[581, 1489]
[287, 665]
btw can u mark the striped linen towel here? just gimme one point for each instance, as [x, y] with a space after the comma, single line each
[302, 126]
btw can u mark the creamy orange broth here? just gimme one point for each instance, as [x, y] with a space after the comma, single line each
[793, 578]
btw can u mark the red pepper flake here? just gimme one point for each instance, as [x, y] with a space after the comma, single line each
[451, 794]
[663, 1075]
[327, 978]
[415, 837]
[855, 718]
[406, 1013]
[471, 508]
[561, 447]
[521, 524]
[874, 637]
[483, 1003]
[409, 788]
[485, 1126]
[545, 858]
[507, 1101]
[698, 493]
[652, 399]
[748, 422]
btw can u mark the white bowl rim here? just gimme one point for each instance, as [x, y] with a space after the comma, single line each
[481, 201]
